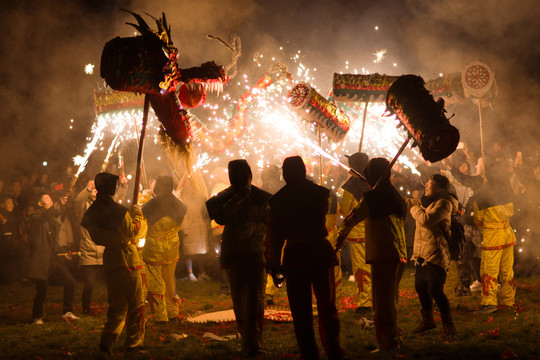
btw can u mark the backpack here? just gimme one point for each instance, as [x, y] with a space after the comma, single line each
[456, 239]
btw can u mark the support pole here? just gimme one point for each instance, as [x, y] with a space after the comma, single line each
[139, 154]
[400, 151]
[363, 127]
[320, 156]
[482, 147]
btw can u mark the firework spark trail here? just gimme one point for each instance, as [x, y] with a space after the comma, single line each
[98, 131]
[112, 147]
[272, 131]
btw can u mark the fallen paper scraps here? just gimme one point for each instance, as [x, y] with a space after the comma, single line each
[220, 338]
[228, 316]
[177, 337]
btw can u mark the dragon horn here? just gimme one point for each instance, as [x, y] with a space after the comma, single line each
[167, 28]
[140, 20]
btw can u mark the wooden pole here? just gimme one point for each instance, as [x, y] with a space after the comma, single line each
[363, 127]
[320, 156]
[139, 154]
[482, 147]
[330, 164]
[389, 168]
[143, 168]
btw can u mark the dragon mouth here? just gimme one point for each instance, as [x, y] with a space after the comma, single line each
[215, 86]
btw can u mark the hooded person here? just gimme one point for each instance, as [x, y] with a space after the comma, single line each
[164, 214]
[353, 193]
[243, 209]
[431, 254]
[297, 216]
[384, 211]
[118, 229]
[493, 208]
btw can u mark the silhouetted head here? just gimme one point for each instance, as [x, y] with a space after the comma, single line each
[358, 161]
[294, 170]
[164, 185]
[106, 183]
[239, 173]
[375, 169]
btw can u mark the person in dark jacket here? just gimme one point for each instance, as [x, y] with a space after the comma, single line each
[44, 264]
[298, 216]
[384, 212]
[243, 209]
[118, 229]
[11, 243]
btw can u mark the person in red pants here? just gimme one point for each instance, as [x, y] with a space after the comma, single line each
[297, 216]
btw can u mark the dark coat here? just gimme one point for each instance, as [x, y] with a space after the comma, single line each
[298, 215]
[244, 212]
[42, 242]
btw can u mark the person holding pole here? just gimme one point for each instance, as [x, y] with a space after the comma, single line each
[384, 211]
[118, 229]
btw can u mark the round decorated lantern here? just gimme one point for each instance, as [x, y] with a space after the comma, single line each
[423, 117]
[312, 106]
[477, 79]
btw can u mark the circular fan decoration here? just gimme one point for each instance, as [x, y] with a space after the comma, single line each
[299, 95]
[477, 79]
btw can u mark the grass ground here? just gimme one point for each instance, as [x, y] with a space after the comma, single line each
[494, 336]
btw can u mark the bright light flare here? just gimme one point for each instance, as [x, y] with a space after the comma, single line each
[89, 69]
[379, 55]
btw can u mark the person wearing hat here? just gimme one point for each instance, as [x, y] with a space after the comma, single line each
[164, 214]
[384, 211]
[243, 209]
[298, 216]
[353, 193]
[118, 229]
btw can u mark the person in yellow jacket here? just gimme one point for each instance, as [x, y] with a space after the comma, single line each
[118, 229]
[333, 232]
[492, 211]
[353, 192]
[161, 252]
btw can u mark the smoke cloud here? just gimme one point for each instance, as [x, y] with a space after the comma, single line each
[45, 46]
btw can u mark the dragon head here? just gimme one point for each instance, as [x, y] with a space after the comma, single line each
[148, 64]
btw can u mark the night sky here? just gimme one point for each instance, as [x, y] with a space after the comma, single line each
[44, 46]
